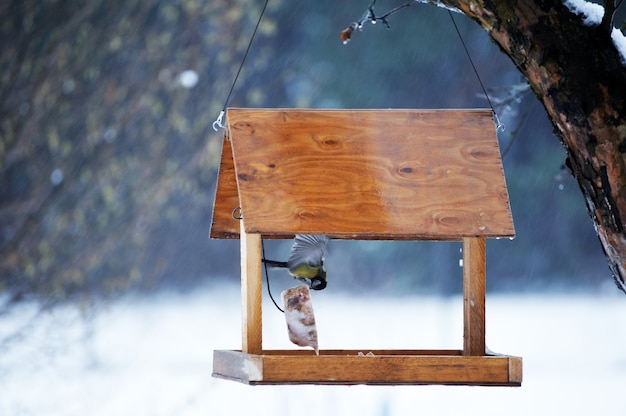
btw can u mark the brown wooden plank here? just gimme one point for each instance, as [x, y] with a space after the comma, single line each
[223, 225]
[422, 174]
[304, 352]
[474, 287]
[386, 369]
[381, 368]
[251, 292]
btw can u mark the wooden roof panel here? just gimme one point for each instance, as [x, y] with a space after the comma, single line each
[223, 225]
[417, 174]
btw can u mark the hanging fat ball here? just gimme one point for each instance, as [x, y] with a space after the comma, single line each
[306, 260]
[300, 318]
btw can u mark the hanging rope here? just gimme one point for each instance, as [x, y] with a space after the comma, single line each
[267, 277]
[237, 215]
[369, 15]
[220, 119]
[499, 125]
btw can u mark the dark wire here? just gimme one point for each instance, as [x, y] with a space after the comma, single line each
[458, 32]
[245, 55]
[267, 277]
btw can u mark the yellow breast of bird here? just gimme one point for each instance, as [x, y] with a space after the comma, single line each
[304, 271]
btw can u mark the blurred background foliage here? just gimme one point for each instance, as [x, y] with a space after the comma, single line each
[108, 161]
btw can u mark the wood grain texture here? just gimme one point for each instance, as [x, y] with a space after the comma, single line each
[223, 225]
[251, 292]
[381, 367]
[474, 289]
[412, 174]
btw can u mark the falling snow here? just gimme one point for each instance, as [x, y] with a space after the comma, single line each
[188, 79]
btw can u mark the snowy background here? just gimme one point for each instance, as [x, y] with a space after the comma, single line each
[153, 356]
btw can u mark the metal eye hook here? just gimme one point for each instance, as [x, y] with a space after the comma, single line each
[237, 216]
[218, 121]
[499, 125]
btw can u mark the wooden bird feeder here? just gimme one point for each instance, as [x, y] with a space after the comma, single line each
[363, 174]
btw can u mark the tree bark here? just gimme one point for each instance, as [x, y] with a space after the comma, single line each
[580, 77]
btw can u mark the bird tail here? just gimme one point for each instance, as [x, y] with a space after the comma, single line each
[274, 263]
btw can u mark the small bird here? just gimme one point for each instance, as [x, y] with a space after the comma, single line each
[306, 260]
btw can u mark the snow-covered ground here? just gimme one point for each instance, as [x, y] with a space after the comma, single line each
[154, 357]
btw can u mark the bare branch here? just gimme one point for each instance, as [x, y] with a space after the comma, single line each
[370, 16]
[606, 26]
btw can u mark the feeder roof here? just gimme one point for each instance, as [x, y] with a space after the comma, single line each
[362, 174]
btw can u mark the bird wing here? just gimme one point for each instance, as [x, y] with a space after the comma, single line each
[308, 248]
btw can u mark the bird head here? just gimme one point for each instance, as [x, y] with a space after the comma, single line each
[317, 283]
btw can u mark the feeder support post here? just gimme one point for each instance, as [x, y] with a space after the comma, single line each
[251, 292]
[474, 287]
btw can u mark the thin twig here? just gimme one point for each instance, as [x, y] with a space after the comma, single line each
[370, 16]
[383, 18]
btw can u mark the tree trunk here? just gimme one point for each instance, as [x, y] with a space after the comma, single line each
[580, 77]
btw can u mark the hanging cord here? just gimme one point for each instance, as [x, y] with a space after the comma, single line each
[238, 215]
[499, 125]
[267, 277]
[218, 122]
